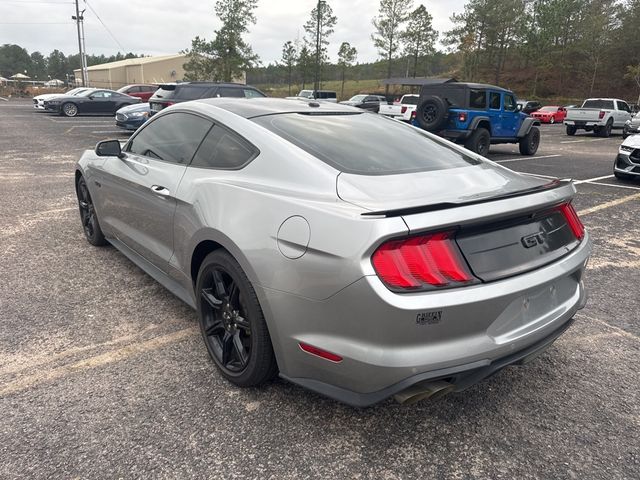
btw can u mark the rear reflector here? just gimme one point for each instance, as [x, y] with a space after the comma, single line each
[573, 220]
[420, 263]
[318, 352]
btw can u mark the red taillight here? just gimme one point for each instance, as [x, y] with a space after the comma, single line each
[421, 262]
[413, 115]
[601, 116]
[573, 220]
[462, 117]
[403, 109]
[318, 352]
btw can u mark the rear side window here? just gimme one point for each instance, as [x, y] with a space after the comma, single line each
[251, 93]
[494, 100]
[605, 104]
[190, 92]
[365, 144]
[477, 99]
[172, 138]
[230, 92]
[223, 149]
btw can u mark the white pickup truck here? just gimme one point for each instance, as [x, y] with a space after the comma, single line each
[598, 115]
[403, 109]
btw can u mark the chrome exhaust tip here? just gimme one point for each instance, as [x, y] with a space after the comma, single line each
[422, 391]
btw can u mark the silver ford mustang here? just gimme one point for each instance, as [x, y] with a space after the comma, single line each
[352, 254]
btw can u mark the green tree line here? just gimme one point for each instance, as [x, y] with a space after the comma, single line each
[15, 59]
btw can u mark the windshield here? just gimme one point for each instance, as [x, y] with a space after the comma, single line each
[357, 98]
[365, 144]
[75, 91]
[306, 93]
[548, 109]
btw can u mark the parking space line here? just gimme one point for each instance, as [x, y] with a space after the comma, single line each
[578, 182]
[573, 141]
[108, 131]
[610, 204]
[520, 159]
[614, 185]
[27, 381]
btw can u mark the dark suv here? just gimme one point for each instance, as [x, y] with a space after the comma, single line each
[170, 93]
[477, 116]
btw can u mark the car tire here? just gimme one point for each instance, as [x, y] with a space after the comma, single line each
[432, 114]
[571, 130]
[89, 216]
[69, 109]
[530, 142]
[479, 142]
[605, 132]
[232, 323]
[625, 132]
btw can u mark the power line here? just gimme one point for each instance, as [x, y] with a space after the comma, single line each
[36, 23]
[105, 27]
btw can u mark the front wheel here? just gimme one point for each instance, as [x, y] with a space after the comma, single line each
[232, 323]
[479, 142]
[88, 215]
[69, 109]
[530, 142]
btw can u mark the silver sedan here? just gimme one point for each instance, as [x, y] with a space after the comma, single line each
[349, 253]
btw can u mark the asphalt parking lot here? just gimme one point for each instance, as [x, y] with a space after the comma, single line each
[103, 373]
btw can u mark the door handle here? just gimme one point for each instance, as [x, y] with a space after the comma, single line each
[160, 190]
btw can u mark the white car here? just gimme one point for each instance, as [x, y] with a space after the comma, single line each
[627, 164]
[38, 101]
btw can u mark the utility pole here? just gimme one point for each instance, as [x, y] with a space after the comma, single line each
[79, 18]
[316, 82]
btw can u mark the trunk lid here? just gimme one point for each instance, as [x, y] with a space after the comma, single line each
[504, 223]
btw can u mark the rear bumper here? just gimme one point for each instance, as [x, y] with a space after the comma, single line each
[455, 135]
[387, 345]
[583, 124]
[462, 376]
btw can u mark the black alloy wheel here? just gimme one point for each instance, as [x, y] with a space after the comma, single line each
[232, 323]
[88, 215]
[226, 328]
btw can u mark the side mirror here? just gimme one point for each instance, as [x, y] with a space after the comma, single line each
[518, 107]
[91, 97]
[109, 148]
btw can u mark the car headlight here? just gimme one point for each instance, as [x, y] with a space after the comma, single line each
[138, 114]
[628, 122]
[625, 148]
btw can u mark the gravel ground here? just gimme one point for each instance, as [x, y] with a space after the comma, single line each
[103, 373]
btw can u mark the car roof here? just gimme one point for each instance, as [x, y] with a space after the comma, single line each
[465, 85]
[256, 107]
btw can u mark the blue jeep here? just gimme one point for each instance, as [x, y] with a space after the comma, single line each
[476, 115]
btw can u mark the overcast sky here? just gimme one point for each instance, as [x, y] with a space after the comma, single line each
[167, 26]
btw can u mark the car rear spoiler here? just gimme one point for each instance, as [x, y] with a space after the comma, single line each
[399, 212]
